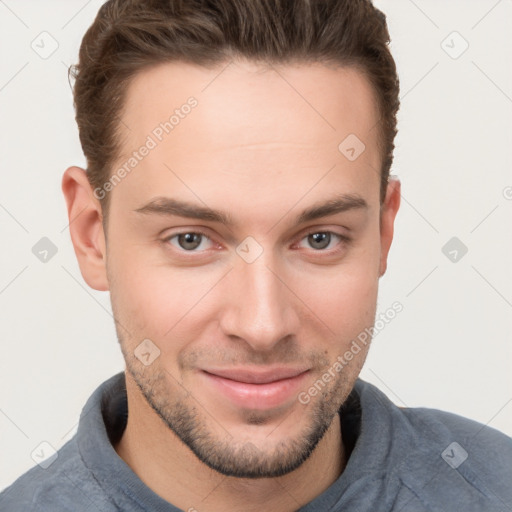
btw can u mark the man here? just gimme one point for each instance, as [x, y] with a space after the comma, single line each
[237, 205]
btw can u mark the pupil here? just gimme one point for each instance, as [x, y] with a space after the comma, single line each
[321, 238]
[190, 240]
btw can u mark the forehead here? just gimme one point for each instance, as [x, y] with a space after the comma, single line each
[245, 99]
[247, 125]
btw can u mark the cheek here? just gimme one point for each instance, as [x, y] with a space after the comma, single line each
[349, 307]
[345, 303]
[344, 296]
[158, 301]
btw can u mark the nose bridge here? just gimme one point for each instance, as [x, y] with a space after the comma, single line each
[260, 309]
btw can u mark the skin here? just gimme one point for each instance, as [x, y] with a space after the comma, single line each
[262, 152]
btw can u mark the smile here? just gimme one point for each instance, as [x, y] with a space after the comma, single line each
[260, 390]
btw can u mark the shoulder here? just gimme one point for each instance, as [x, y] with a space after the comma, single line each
[441, 457]
[473, 461]
[482, 446]
[434, 427]
[66, 484]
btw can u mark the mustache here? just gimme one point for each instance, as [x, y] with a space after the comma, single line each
[213, 356]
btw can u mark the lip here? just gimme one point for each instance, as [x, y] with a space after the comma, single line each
[251, 389]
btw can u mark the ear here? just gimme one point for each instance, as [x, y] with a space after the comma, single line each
[86, 228]
[388, 213]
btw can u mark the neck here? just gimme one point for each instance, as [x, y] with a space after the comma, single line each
[170, 469]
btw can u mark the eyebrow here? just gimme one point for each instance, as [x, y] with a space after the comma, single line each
[167, 206]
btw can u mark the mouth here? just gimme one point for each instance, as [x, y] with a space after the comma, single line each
[250, 389]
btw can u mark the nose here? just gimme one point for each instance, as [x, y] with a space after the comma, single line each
[259, 306]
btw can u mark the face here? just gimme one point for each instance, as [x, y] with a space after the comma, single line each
[247, 248]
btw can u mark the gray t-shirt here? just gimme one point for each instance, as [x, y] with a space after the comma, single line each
[400, 459]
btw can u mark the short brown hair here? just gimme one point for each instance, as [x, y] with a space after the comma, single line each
[130, 35]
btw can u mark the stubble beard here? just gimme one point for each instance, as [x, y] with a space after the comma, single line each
[197, 428]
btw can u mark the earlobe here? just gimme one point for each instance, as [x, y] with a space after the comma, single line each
[389, 210]
[85, 227]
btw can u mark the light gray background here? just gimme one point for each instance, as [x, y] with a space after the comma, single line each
[450, 346]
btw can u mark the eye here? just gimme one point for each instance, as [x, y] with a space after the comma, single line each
[194, 241]
[321, 240]
[188, 241]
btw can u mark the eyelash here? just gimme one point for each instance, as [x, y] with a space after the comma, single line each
[344, 240]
